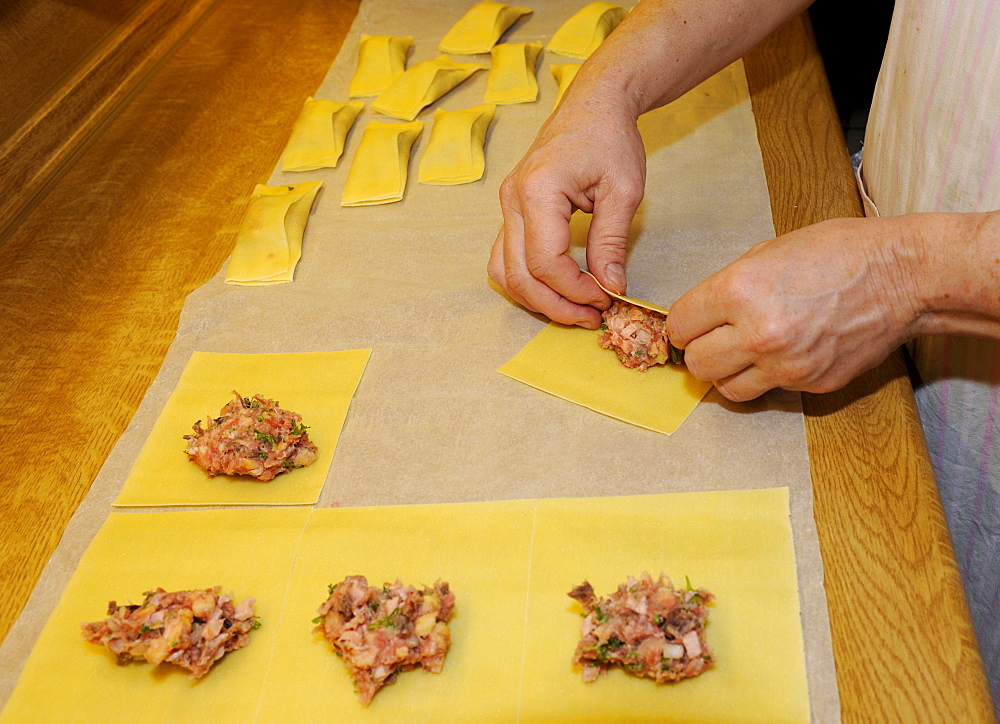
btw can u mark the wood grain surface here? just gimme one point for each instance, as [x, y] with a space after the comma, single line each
[97, 270]
[94, 278]
[889, 566]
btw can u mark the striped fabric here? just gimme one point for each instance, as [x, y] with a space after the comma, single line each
[933, 144]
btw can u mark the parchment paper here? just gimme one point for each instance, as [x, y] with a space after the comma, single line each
[433, 421]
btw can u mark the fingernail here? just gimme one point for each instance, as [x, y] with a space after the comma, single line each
[615, 274]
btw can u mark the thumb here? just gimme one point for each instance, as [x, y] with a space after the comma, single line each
[609, 231]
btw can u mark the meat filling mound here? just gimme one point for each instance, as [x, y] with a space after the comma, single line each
[192, 629]
[252, 436]
[647, 627]
[380, 631]
[638, 336]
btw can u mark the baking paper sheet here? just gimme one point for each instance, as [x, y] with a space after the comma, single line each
[319, 386]
[510, 565]
[433, 421]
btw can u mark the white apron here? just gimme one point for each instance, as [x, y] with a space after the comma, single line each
[933, 144]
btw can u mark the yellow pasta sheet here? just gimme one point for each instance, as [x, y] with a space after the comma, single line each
[510, 565]
[247, 552]
[317, 385]
[569, 363]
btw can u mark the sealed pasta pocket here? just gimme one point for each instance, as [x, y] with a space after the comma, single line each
[481, 27]
[583, 33]
[564, 75]
[379, 169]
[381, 60]
[512, 73]
[421, 85]
[455, 153]
[319, 134]
[269, 243]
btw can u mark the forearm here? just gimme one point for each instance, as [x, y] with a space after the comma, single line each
[956, 272]
[663, 48]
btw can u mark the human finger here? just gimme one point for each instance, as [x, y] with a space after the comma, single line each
[614, 208]
[717, 354]
[536, 295]
[747, 384]
[547, 209]
[497, 272]
[698, 311]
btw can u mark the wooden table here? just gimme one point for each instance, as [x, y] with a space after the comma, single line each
[124, 194]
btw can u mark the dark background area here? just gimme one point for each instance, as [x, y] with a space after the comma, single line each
[851, 36]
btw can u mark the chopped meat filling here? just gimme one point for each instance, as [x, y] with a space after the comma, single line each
[647, 627]
[638, 336]
[380, 631]
[192, 629]
[252, 436]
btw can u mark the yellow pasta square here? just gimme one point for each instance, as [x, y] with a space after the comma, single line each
[569, 363]
[248, 553]
[317, 385]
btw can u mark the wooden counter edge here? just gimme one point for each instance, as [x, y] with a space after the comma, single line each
[877, 508]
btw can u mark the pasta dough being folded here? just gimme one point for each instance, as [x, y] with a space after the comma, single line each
[381, 59]
[421, 85]
[481, 27]
[269, 242]
[512, 73]
[318, 135]
[564, 75]
[454, 153]
[378, 171]
[584, 32]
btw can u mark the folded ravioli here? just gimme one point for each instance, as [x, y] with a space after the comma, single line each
[381, 59]
[318, 135]
[421, 85]
[512, 73]
[481, 27]
[584, 32]
[454, 153]
[269, 243]
[378, 171]
[564, 75]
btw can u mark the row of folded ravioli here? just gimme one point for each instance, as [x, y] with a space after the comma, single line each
[269, 244]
